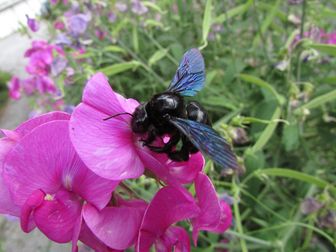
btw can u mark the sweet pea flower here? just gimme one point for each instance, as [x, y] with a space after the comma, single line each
[59, 25]
[169, 205]
[215, 215]
[109, 147]
[10, 139]
[14, 88]
[138, 7]
[173, 204]
[122, 7]
[32, 24]
[40, 57]
[50, 184]
[78, 23]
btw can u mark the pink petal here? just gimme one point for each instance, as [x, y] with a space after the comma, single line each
[88, 238]
[7, 205]
[106, 147]
[186, 172]
[117, 227]
[57, 217]
[29, 125]
[99, 95]
[34, 201]
[209, 204]
[175, 239]
[88, 185]
[49, 146]
[169, 205]
[225, 218]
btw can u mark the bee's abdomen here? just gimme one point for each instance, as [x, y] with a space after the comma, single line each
[196, 112]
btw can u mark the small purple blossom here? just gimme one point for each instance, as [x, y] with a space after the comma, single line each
[58, 65]
[138, 7]
[122, 7]
[32, 24]
[112, 17]
[62, 39]
[310, 205]
[77, 24]
[14, 88]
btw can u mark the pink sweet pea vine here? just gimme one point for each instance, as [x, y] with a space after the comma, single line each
[65, 175]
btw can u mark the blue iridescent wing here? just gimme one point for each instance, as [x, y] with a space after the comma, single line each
[190, 75]
[208, 141]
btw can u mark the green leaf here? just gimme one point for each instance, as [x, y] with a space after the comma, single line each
[239, 10]
[268, 131]
[158, 55]
[290, 137]
[135, 39]
[153, 6]
[266, 23]
[206, 22]
[255, 80]
[153, 23]
[113, 48]
[287, 173]
[119, 68]
[324, 48]
[318, 101]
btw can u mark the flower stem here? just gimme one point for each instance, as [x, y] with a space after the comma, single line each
[236, 191]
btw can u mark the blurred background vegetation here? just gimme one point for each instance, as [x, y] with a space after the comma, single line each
[270, 89]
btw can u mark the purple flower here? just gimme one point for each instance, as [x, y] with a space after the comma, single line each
[62, 39]
[58, 65]
[32, 24]
[14, 88]
[122, 7]
[310, 205]
[138, 7]
[77, 24]
[112, 17]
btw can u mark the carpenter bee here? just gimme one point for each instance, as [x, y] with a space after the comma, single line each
[167, 113]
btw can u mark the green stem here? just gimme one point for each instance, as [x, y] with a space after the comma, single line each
[303, 17]
[236, 190]
[143, 64]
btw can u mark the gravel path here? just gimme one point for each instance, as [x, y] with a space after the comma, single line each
[12, 239]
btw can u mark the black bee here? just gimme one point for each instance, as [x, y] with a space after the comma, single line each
[167, 113]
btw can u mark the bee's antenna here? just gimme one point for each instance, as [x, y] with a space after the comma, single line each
[123, 113]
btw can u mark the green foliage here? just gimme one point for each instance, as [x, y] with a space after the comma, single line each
[4, 78]
[260, 77]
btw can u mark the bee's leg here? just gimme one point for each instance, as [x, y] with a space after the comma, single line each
[183, 153]
[168, 146]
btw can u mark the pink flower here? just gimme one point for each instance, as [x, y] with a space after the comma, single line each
[215, 214]
[40, 57]
[110, 148]
[10, 139]
[50, 184]
[32, 24]
[169, 205]
[173, 204]
[59, 25]
[14, 88]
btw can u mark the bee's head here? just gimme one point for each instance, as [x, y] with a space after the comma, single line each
[140, 121]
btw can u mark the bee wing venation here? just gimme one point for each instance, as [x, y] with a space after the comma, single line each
[207, 141]
[190, 75]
